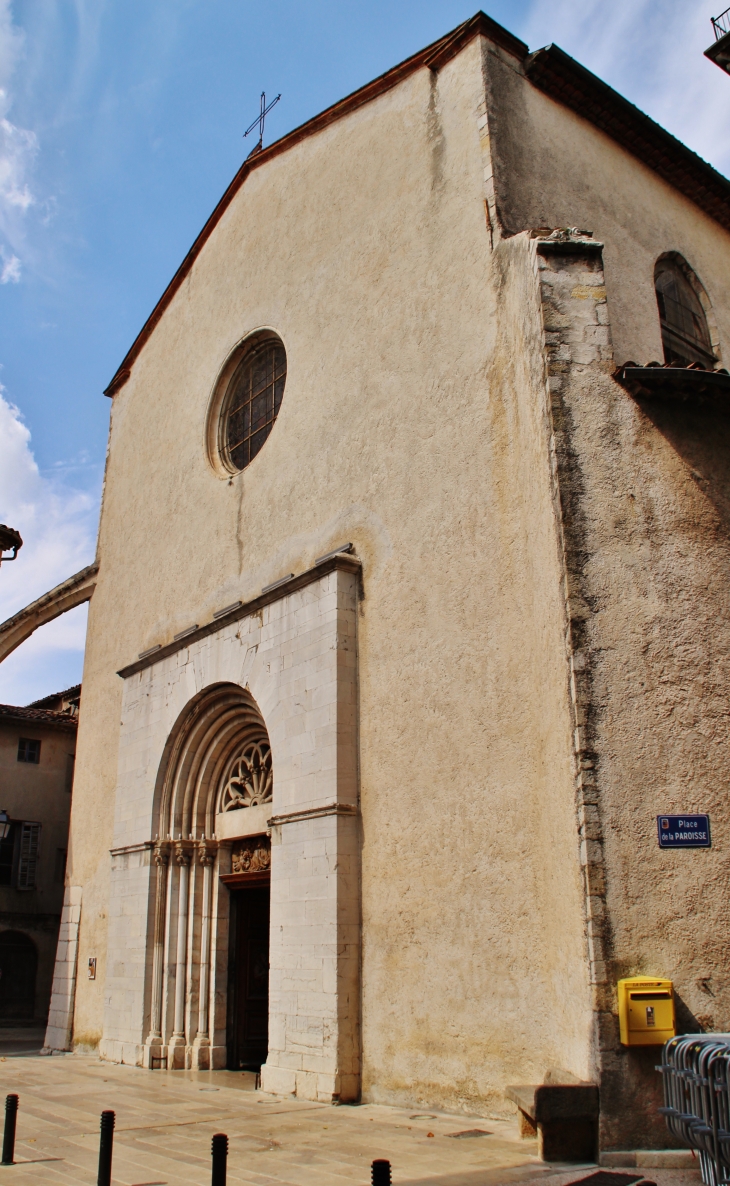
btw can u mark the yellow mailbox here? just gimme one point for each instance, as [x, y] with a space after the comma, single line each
[645, 1011]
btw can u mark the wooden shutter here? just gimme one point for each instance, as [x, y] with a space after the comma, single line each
[30, 839]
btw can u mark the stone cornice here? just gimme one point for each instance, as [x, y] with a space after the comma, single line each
[143, 846]
[293, 817]
[341, 560]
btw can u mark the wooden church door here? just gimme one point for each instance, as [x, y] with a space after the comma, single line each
[248, 1028]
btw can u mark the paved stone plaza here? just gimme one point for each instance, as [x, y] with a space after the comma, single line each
[165, 1122]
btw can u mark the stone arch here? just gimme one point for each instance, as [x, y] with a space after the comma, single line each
[204, 754]
[673, 260]
[209, 733]
[75, 591]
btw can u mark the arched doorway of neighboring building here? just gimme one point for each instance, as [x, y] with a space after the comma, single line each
[209, 986]
[18, 967]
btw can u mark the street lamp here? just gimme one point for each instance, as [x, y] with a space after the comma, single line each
[10, 541]
[4, 823]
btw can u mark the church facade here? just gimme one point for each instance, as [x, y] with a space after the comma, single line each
[411, 612]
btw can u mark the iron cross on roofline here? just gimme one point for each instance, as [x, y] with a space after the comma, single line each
[260, 119]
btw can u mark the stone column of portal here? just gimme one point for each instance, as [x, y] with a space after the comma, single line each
[314, 997]
[201, 1045]
[153, 1044]
[176, 1045]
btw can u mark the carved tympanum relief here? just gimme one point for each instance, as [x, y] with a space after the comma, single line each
[248, 779]
[252, 856]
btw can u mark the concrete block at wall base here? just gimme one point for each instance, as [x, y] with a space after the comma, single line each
[349, 1089]
[568, 1140]
[650, 1159]
[199, 1055]
[57, 1040]
[130, 1053]
[218, 1058]
[564, 1115]
[153, 1056]
[278, 1080]
[176, 1051]
[308, 1085]
[53, 1046]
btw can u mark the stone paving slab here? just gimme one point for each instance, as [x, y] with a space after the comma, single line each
[165, 1121]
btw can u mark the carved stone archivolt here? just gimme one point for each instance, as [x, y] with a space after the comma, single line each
[248, 780]
[219, 760]
[251, 856]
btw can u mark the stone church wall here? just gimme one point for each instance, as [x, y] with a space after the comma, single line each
[646, 516]
[554, 169]
[644, 489]
[419, 422]
[367, 248]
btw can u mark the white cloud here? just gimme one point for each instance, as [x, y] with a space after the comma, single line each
[18, 148]
[11, 267]
[58, 524]
[652, 52]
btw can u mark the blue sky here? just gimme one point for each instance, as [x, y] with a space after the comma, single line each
[120, 126]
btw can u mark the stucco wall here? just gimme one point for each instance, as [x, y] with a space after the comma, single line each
[555, 169]
[654, 510]
[647, 512]
[415, 424]
[402, 429]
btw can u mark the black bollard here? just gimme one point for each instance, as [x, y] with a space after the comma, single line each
[106, 1145]
[11, 1116]
[380, 1172]
[220, 1159]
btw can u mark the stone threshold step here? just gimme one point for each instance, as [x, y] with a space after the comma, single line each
[649, 1159]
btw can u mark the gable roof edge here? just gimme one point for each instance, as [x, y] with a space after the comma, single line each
[434, 57]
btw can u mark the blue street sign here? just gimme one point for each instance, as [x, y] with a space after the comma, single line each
[683, 831]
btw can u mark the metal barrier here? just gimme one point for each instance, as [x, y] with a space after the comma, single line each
[696, 1073]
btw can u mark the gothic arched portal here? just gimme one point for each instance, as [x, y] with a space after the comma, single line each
[217, 760]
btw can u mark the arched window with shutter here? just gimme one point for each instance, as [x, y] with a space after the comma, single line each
[683, 306]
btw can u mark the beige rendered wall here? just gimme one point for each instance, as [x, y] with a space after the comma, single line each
[410, 427]
[40, 793]
[647, 503]
[652, 519]
[555, 169]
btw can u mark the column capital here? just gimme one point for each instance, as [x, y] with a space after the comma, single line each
[206, 851]
[184, 850]
[161, 853]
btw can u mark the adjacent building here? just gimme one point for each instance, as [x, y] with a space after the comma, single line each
[37, 749]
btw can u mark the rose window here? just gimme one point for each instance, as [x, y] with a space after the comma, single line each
[248, 780]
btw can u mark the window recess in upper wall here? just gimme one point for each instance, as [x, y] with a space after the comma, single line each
[686, 334]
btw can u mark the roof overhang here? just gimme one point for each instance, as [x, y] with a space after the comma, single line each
[719, 53]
